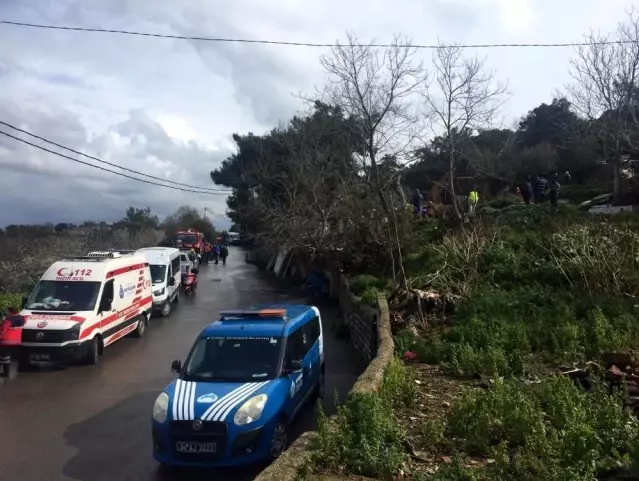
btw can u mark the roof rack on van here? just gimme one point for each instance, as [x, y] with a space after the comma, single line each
[231, 314]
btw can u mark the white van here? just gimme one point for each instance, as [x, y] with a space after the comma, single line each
[83, 304]
[165, 265]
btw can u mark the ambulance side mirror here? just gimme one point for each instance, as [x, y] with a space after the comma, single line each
[172, 281]
[176, 367]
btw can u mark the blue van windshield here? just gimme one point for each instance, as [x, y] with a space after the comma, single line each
[233, 359]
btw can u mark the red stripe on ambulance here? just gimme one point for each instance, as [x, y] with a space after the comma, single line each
[128, 313]
[124, 270]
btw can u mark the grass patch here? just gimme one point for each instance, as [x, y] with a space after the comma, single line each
[365, 438]
[531, 289]
[550, 431]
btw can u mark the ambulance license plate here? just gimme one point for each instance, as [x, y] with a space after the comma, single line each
[182, 447]
[39, 356]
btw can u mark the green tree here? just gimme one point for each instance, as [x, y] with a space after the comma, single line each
[139, 219]
[187, 217]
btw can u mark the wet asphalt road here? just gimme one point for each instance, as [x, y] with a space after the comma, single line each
[93, 423]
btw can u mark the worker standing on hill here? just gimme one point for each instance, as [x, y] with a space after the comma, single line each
[554, 191]
[473, 199]
[527, 190]
[417, 202]
[541, 185]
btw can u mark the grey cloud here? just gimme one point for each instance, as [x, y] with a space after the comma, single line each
[41, 187]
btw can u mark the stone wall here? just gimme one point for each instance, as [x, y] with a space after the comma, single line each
[360, 319]
[296, 457]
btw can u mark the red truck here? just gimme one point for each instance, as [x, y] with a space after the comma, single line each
[189, 239]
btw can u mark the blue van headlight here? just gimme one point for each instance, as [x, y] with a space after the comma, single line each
[161, 408]
[251, 410]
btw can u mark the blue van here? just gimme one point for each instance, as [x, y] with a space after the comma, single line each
[240, 388]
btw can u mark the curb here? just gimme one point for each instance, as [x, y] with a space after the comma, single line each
[288, 466]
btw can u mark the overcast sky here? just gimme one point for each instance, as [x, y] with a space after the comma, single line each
[169, 107]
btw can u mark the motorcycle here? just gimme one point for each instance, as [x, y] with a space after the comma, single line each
[189, 282]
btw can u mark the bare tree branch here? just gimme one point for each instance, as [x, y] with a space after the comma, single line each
[465, 96]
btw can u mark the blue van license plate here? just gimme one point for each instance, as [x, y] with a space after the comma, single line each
[183, 447]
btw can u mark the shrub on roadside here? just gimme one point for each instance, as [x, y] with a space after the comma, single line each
[500, 332]
[10, 300]
[365, 438]
[359, 284]
[551, 431]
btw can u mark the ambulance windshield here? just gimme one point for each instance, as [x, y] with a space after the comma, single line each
[64, 296]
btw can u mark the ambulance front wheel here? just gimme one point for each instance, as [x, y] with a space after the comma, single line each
[93, 352]
[141, 329]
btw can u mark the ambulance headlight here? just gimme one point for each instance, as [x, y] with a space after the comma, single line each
[161, 408]
[251, 410]
[159, 292]
[74, 333]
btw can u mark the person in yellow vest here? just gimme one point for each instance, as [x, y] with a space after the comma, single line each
[473, 199]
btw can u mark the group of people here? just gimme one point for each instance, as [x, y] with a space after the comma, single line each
[430, 210]
[536, 188]
[214, 252]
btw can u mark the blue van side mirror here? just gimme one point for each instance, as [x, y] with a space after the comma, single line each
[176, 367]
[294, 366]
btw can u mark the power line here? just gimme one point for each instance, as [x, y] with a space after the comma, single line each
[305, 44]
[107, 170]
[218, 191]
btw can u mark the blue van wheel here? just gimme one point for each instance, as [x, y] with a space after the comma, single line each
[279, 440]
[320, 388]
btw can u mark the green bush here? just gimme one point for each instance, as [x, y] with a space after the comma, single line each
[10, 300]
[366, 437]
[360, 284]
[505, 201]
[551, 431]
[398, 388]
[369, 296]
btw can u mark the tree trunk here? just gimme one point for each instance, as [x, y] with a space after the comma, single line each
[616, 178]
[451, 184]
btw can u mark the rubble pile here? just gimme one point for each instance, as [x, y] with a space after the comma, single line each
[620, 370]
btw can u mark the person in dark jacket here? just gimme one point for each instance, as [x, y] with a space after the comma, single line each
[224, 253]
[416, 200]
[554, 190]
[527, 190]
[216, 253]
[540, 188]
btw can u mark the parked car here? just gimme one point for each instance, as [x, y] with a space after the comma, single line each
[240, 388]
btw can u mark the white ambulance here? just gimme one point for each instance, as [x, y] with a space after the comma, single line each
[83, 304]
